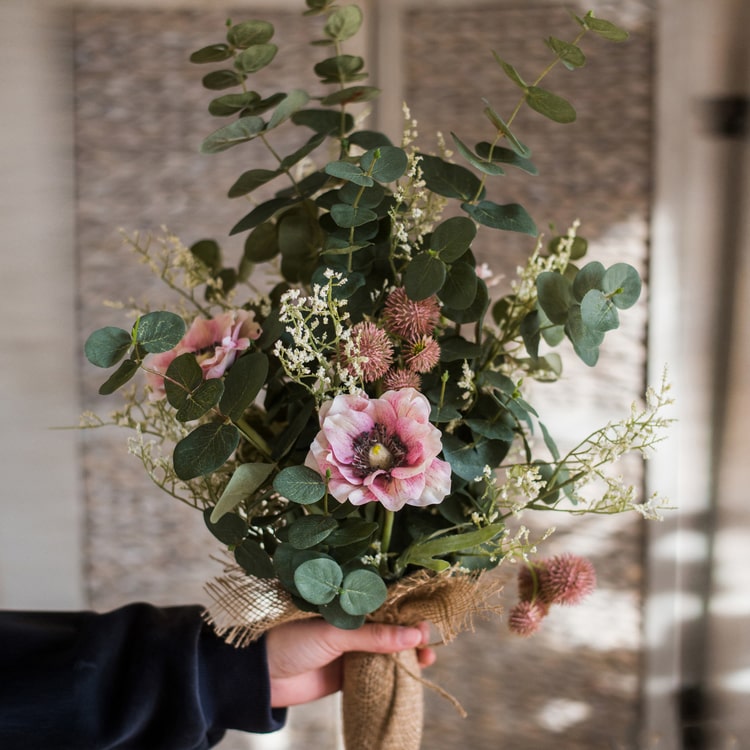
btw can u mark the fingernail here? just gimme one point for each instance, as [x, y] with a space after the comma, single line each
[409, 637]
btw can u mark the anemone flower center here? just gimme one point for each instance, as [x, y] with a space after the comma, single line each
[376, 450]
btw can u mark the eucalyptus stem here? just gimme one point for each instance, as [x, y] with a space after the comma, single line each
[252, 436]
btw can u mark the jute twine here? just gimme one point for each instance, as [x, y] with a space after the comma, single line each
[383, 694]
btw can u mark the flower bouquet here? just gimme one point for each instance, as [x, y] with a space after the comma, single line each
[346, 405]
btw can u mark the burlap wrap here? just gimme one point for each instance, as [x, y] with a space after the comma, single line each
[383, 695]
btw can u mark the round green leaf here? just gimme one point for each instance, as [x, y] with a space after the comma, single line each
[352, 530]
[343, 23]
[453, 237]
[598, 312]
[588, 278]
[261, 244]
[107, 346]
[585, 340]
[242, 384]
[340, 69]
[623, 283]
[203, 398]
[318, 580]
[424, 276]
[300, 484]
[483, 165]
[159, 331]
[183, 376]
[351, 95]
[218, 80]
[571, 56]
[345, 170]
[365, 197]
[605, 29]
[384, 164]
[242, 35]
[207, 252]
[362, 592]
[335, 615]
[347, 216]
[550, 105]
[460, 287]
[291, 103]
[230, 529]
[211, 54]
[555, 295]
[449, 180]
[205, 449]
[308, 531]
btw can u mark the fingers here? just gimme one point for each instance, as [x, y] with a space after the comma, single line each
[380, 638]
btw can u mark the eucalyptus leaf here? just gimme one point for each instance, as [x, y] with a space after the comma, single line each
[119, 377]
[183, 376]
[106, 346]
[510, 71]
[323, 121]
[488, 167]
[511, 217]
[449, 180]
[336, 616]
[251, 180]
[494, 153]
[555, 295]
[424, 276]
[242, 383]
[230, 529]
[555, 107]
[254, 560]
[297, 156]
[205, 449]
[362, 592]
[201, 400]
[351, 95]
[218, 80]
[460, 286]
[598, 312]
[588, 278]
[308, 531]
[340, 69]
[261, 213]
[318, 580]
[300, 484]
[207, 252]
[352, 216]
[456, 348]
[570, 55]
[239, 131]
[504, 128]
[211, 54]
[293, 102]
[604, 29]
[255, 57]
[384, 164]
[244, 482]
[453, 238]
[242, 35]
[159, 331]
[261, 244]
[345, 170]
[232, 104]
[343, 23]
[623, 283]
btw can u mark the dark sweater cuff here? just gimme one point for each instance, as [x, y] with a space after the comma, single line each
[235, 686]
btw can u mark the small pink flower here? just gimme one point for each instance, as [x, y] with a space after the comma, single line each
[566, 579]
[381, 450]
[422, 354]
[397, 378]
[526, 617]
[215, 343]
[375, 349]
[409, 318]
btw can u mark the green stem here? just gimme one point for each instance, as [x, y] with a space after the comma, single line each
[385, 539]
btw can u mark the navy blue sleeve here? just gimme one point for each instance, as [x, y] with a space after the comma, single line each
[137, 678]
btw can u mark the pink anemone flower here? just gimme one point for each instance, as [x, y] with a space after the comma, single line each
[216, 342]
[381, 450]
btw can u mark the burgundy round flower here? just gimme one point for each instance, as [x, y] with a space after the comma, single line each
[566, 579]
[381, 450]
[397, 378]
[526, 617]
[422, 354]
[373, 349]
[409, 318]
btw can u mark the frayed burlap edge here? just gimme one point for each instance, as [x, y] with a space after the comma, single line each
[383, 694]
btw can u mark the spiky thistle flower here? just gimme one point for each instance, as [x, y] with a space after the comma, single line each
[409, 318]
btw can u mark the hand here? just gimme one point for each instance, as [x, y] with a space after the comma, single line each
[304, 657]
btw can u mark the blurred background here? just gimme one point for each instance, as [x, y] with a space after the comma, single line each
[102, 116]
